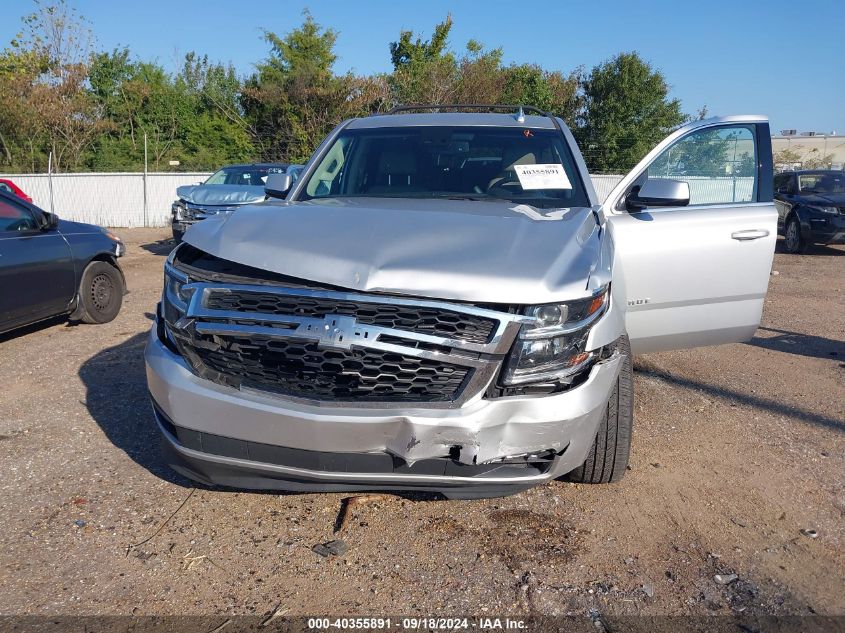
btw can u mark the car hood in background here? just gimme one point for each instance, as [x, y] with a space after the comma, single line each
[485, 251]
[68, 227]
[822, 199]
[220, 194]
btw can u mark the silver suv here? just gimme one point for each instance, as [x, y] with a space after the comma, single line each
[442, 303]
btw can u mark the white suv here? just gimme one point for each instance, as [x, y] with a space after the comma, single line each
[441, 303]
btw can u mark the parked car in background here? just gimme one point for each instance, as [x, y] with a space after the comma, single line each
[295, 172]
[225, 190]
[9, 187]
[441, 303]
[811, 207]
[51, 267]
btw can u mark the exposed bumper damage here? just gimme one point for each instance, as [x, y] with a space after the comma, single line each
[431, 449]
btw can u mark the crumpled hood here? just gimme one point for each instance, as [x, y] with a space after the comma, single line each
[220, 194]
[485, 251]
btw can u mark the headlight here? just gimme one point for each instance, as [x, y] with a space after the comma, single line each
[176, 295]
[832, 210]
[551, 346]
[178, 210]
[119, 247]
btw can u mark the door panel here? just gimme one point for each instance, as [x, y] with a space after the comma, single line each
[37, 277]
[697, 275]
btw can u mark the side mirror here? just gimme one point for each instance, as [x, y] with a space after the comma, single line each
[277, 185]
[658, 192]
[51, 221]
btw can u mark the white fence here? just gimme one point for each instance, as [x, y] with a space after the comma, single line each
[117, 199]
[107, 199]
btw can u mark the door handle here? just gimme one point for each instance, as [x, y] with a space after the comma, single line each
[750, 234]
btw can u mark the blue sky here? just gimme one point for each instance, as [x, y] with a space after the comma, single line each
[783, 59]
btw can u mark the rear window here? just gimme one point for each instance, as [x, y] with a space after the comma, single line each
[522, 165]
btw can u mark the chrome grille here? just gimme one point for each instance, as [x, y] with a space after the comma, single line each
[341, 347]
[411, 318]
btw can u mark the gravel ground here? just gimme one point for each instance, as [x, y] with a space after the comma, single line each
[737, 449]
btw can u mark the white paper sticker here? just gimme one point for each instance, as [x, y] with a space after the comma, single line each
[551, 176]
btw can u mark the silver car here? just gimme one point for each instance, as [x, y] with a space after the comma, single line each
[440, 302]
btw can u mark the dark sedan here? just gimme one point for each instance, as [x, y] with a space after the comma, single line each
[811, 207]
[51, 267]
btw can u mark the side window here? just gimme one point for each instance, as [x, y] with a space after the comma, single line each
[15, 218]
[325, 179]
[781, 182]
[719, 164]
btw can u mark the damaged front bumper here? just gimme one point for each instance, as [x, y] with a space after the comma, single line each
[247, 439]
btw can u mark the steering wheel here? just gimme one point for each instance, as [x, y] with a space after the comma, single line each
[507, 182]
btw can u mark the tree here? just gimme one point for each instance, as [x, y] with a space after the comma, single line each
[61, 40]
[193, 117]
[626, 112]
[424, 71]
[295, 99]
[22, 130]
[404, 53]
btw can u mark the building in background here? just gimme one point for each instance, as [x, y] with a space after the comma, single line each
[808, 150]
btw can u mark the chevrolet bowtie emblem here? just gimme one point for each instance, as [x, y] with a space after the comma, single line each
[340, 332]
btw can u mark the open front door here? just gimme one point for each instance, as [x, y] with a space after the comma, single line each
[694, 229]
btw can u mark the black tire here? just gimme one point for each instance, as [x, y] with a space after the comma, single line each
[178, 235]
[607, 460]
[793, 241]
[100, 293]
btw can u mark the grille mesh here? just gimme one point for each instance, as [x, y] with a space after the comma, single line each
[299, 368]
[424, 320]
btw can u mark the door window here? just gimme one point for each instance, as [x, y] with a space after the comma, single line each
[719, 164]
[16, 218]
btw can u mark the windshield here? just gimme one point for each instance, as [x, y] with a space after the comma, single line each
[519, 164]
[822, 183]
[248, 176]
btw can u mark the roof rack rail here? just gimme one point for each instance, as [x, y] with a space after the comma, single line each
[518, 109]
[465, 106]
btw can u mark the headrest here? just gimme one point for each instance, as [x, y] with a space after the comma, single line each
[518, 156]
[397, 162]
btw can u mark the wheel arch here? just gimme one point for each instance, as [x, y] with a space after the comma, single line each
[76, 305]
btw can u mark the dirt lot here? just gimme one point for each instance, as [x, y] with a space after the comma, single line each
[737, 449]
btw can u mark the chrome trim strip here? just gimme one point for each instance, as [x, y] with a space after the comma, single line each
[303, 332]
[500, 342]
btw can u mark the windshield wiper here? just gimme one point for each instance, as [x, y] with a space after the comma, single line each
[473, 197]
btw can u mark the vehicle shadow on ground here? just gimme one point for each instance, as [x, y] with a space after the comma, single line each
[36, 327]
[160, 247]
[117, 399]
[800, 344]
[815, 249]
[647, 369]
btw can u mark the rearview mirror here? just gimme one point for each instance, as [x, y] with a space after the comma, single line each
[658, 192]
[277, 185]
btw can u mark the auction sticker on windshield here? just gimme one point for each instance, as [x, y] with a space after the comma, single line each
[551, 176]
